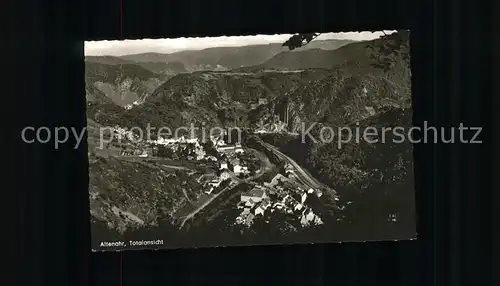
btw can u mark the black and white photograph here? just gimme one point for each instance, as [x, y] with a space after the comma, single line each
[250, 140]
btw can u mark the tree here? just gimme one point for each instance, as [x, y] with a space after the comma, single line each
[165, 152]
[209, 148]
[386, 53]
[391, 50]
[299, 40]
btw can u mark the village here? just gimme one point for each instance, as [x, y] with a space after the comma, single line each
[231, 164]
[281, 194]
[226, 160]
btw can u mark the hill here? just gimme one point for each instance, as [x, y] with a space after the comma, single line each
[352, 91]
[94, 95]
[166, 68]
[107, 60]
[214, 98]
[124, 84]
[224, 58]
[125, 193]
[317, 58]
[374, 181]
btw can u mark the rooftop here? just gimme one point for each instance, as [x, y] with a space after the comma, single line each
[228, 147]
[255, 192]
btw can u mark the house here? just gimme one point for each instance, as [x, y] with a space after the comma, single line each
[240, 205]
[265, 203]
[237, 169]
[226, 149]
[289, 171]
[249, 204]
[318, 220]
[223, 166]
[279, 205]
[259, 210]
[200, 178]
[276, 180]
[303, 220]
[255, 195]
[262, 100]
[224, 176]
[200, 153]
[214, 183]
[298, 207]
[304, 197]
[285, 199]
[238, 148]
[261, 131]
[192, 141]
[163, 141]
[219, 143]
[319, 193]
[214, 139]
[249, 218]
[310, 216]
[310, 191]
[239, 220]
[235, 161]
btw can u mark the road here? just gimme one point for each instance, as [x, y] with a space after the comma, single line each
[193, 213]
[265, 167]
[302, 174]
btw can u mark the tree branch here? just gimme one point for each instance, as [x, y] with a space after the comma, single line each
[297, 40]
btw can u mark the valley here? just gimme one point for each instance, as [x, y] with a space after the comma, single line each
[209, 189]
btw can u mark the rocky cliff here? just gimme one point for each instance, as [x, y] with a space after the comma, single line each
[124, 84]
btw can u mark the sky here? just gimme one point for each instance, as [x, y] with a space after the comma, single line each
[126, 47]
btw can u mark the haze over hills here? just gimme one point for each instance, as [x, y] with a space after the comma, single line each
[279, 92]
[164, 68]
[317, 58]
[229, 57]
[133, 77]
[317, 54]
[107, 60]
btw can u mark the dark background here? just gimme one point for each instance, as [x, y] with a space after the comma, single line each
[45, 78]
